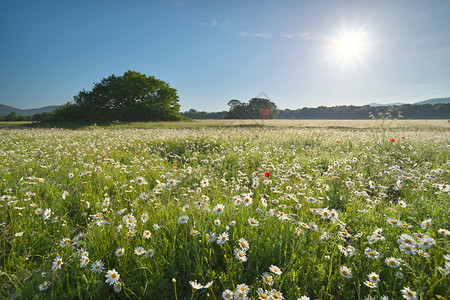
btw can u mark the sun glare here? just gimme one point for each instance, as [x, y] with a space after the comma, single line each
[349, 47]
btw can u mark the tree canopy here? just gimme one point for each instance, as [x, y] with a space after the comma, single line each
[130, 97]
[256, 108]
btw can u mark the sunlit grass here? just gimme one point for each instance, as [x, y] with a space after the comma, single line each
[309, 198]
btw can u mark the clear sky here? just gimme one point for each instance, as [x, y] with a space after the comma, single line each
[302, 53]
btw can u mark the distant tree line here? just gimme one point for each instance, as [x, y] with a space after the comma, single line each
[12, 117]
[405, 111]
[194, 114]
[239, 110]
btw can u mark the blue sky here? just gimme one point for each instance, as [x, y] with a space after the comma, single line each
[299, 53]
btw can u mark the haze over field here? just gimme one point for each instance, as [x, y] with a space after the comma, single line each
[299, 53]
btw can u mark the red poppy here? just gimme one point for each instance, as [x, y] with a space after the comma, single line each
[137, 153]
[267, 174]
[174, 165]
[392, 140]
[403, 138]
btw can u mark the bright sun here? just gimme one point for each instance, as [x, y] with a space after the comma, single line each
[349, 47]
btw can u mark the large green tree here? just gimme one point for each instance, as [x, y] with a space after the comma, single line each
[130, 97]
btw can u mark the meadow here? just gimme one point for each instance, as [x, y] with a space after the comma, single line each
[226, 210]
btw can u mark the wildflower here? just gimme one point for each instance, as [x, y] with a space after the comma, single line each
[140, 180]
[374, 277]
[345, 272]
[204, 182]
[112, 277]
[194, 232]
[97, 267]
[196, 285]
[443, 231]
[211, 237]
[84, 261]
[425, 224]
[406, 238]
[423, 253]
[267, 278]
[240, 254]
[274, 269]
[144, 217]
[408, 294]
[325, 213]
[370, 284]
[57, 263]
[243, 288]
[344, 234]
[334, 215]
[47, 213]
[64, 242]
[183, 219]
[253, 222]
[303, 298]
[149, 253]
[266, 174]
[45, 285]
[227, 295]
[218, 209]
[408, 249]
[238, 295]
[217, 222]
[117, 287]
[247, 200]
[222, 238]
[130, 221]
[442, 270]
[372, 239]
[147, 234]
[244, 244]
[120, 252]
[155, 226]
[394, 222]
[398, 275]
[139, 251]
[131, 232]
[263, 294]
[373, 254]
[392, 262]
[274, 294]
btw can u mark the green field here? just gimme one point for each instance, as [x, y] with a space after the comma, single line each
[234, 209]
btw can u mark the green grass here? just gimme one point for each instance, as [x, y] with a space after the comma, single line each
[92, 181]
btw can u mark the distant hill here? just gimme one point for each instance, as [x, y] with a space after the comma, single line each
[429, 101]
[434, 101]
[6, 110]
[387, 104]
